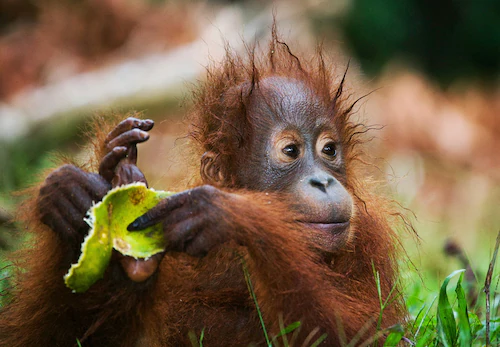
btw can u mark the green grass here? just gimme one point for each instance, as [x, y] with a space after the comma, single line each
[448, 320]
[285, 332]
[456, 313]
[464, 314]
[448, 316]
[5, 283]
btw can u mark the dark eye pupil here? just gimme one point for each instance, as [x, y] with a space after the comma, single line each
[291, 151]
[330, 149]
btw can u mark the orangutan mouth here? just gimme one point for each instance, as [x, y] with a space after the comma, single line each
[330, 228]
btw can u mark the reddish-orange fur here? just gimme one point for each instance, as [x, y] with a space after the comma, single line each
[290, 278]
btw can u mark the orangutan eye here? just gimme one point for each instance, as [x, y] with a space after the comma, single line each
[330, 149]
[291, 151]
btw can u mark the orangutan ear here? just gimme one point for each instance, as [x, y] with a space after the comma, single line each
[210, 169]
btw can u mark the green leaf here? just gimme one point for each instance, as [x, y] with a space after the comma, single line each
[446, 325]
[425, 340]
[475, 323]
[426, 318]
[494, 331]
[396, 334]
[464, 329]
[289, 328]
[108, 222]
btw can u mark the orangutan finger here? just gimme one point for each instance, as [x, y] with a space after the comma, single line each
[132, 155]
[110, 162]
[129, 124]
[128, 139]
[160, 211]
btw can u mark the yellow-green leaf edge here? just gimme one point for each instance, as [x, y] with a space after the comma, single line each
[108, 221]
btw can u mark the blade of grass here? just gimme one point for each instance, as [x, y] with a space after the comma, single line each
[425, 340]
[193, 339]
[354, 341]
[417, 318]
[295, 336]
[383, 304]
[379, 334]
[309, 337]
[464, 331]
[254, 298]
[425, 316]
[376, 275]
[195, 342]
[446, 325]
[379, 291]
[284, 331]
[395, 335]
[319, 340]
[202, 335]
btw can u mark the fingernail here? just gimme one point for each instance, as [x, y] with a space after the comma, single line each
[119, 149]
[133, 226]
[147, 124]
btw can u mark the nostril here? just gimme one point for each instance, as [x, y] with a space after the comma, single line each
[321, 183]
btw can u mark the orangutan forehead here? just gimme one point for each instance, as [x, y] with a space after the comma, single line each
[288, 100]
[290, 89]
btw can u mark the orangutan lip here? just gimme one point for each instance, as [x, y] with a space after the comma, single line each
[333, 228]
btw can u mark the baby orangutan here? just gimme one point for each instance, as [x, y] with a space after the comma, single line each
[281, 194]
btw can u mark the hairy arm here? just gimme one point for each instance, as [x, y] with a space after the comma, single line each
[289, 276]
[45, 312]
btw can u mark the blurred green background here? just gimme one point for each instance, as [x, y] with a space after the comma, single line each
[434, 65]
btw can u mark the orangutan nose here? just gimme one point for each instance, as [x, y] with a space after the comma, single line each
[321, 181]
